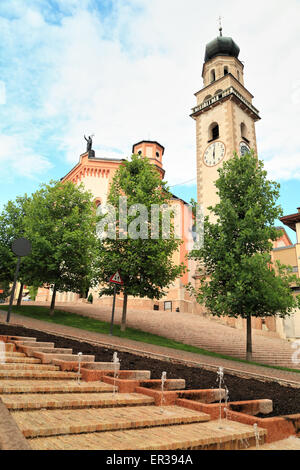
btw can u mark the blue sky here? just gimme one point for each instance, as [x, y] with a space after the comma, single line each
[127, 70]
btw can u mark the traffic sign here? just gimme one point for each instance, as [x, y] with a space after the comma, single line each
[21, 247]
[116, 278]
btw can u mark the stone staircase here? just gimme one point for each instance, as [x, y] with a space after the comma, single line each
[58, 410]
[223, 339]
[203, 332]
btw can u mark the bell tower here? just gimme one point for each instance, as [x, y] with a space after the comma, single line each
[224, 114]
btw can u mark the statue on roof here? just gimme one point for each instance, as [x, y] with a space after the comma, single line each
[89, 142]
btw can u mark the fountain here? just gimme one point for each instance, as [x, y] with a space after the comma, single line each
[115, 361]
[220, 378]
[163, 379]
[2, 352]
[79, 364]
[226, 411]
[256, 433]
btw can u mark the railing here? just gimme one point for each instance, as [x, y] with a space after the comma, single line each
[221, 95]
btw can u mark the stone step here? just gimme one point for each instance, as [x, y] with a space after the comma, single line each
[6, 347]
[34, 351]
[13, 354]
[52, 386]
[57, 422]
[26, 366]
[291, 443]
[33, 374]
[21, 338]
[35, 401]
[37, 344]
[73, 361]
[21, 360]
[195, 436]
[48, 357]
[29, 342]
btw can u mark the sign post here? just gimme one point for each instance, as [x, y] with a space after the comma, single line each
[116, 280]
[20, 247]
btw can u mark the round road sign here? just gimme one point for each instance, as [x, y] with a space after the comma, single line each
[21, 247]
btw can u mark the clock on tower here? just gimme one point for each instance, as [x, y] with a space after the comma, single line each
[225, 116]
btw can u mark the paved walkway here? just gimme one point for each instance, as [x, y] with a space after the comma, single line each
[166, 324]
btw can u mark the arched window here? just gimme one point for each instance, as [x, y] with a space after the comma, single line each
[207, 98]
[244, 133]
[225, 70]
[212, 75]
[97, 202]
[243, 130]
[219, 93]
[213, 131]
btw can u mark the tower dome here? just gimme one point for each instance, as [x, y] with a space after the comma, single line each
[221, 46]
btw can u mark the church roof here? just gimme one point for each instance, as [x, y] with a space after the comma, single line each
[223, 46]
[149, 142]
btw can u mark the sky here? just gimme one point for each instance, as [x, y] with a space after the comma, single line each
[127, 70]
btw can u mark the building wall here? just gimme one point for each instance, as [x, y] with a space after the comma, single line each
[96, 174]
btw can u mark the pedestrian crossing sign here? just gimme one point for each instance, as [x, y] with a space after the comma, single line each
[116, 278]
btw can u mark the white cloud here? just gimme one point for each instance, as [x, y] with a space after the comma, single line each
[16, 158]
[131, 74]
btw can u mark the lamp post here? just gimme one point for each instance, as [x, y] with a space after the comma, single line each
[21, 247]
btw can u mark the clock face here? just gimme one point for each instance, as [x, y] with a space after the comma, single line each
[244, 148]
[214, 153]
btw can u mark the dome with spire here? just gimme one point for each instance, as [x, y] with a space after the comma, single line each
[221, 46]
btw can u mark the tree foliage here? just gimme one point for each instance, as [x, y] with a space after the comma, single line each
[146, 264]
[11, 228]
[61, 225]
[238, 276]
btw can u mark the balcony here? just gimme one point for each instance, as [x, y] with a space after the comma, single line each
[229, 92]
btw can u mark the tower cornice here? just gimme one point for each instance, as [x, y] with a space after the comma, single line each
[229, 93]
[220, 80]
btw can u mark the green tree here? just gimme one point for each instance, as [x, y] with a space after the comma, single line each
[145, 263]
[238, 278]
[12, 227]
[61, 225]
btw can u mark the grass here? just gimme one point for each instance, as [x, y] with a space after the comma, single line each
[91, 324]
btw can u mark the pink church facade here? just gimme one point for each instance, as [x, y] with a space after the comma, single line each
[96, 174]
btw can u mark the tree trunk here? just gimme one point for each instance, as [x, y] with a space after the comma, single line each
[53, 301]
[124, 312]
[20, 294]
[249, 339]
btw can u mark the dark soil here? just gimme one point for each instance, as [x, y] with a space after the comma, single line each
[286, 400]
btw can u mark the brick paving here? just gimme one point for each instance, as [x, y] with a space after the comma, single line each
[163, 323]
[82, 426]
[31, 401]
[51, 386]
[54, 422]
[187, 436]
[142, 426]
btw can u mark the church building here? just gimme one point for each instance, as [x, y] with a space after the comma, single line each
[225, 116]
[225, 123]
[96, 174]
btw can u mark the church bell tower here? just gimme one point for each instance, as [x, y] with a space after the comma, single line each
[224, 114]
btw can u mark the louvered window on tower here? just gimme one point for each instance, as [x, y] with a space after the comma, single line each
[215, 132]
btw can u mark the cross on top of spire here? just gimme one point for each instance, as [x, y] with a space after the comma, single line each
[220, 25]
